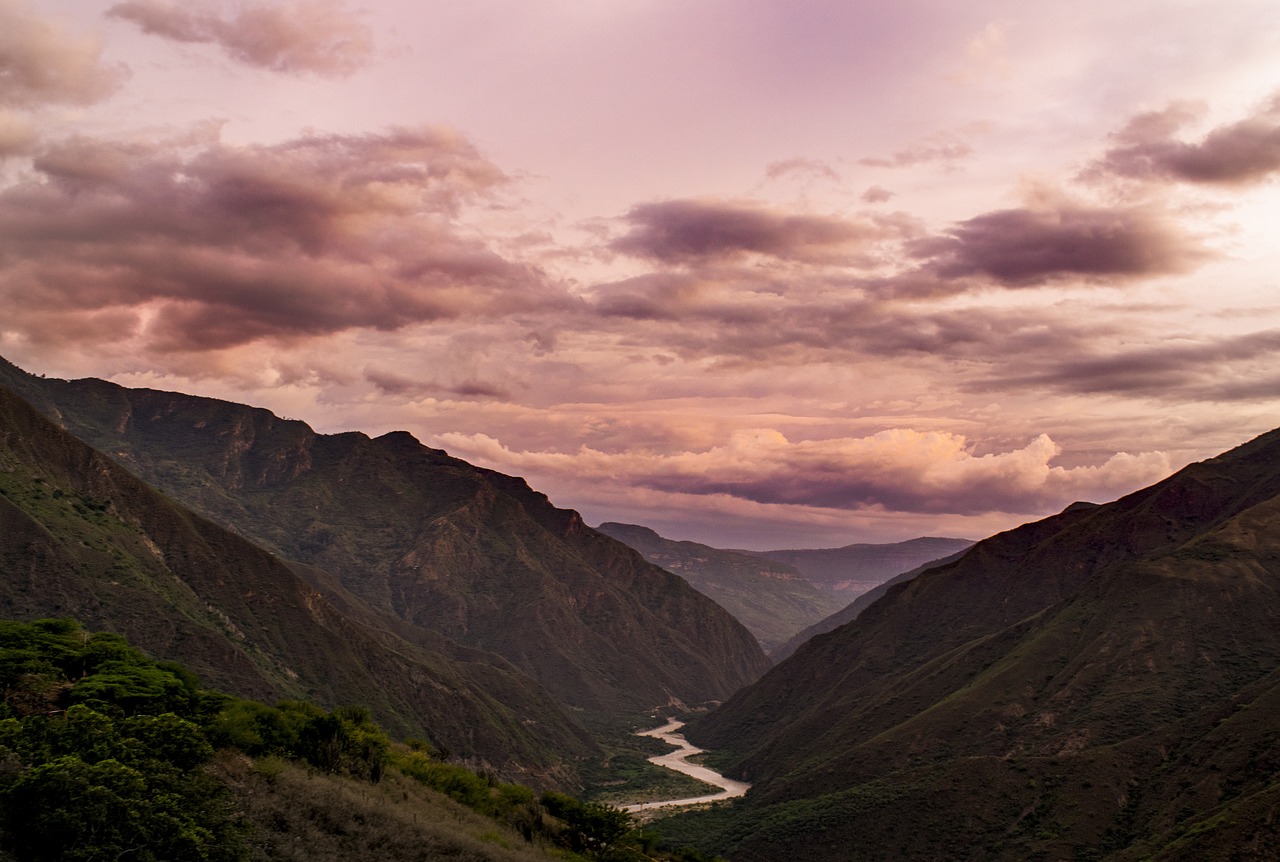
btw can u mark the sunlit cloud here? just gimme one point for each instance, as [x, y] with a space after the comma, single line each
[899, 470]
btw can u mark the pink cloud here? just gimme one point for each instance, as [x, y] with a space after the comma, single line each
[315, 36]
[945, 148]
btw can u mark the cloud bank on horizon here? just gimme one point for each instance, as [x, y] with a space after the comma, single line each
[761, 274]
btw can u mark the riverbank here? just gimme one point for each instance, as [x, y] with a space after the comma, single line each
[678, 760]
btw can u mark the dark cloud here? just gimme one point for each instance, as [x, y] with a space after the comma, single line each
[1029, 247]
[1237, 154]
[395, 383]
[216, 245]
[304, 36]
[42, 64]
[680, 231]
[1223, 368]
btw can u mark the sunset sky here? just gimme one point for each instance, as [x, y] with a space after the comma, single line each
[758, 273]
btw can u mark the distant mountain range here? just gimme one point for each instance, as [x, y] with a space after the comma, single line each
[773, 600]
[1102, 684]
[450, 599]
[853, 569]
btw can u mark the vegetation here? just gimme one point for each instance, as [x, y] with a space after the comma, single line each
[107, 754]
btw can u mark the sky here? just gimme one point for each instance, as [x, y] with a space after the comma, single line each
[758, 274]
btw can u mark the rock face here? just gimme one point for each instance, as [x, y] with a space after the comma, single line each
[773, 600]
[441, 545]
[1100, 684]
[81, 537]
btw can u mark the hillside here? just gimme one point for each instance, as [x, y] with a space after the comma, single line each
[773, 600]
[1101, 684]
[851, 570]
[445, 547]
[82, 537]
[852, 610]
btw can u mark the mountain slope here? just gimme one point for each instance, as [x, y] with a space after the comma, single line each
[81, 537]
[771, 599]
[851, 611]
[1093, 685]
[854, 569]
[444, 546]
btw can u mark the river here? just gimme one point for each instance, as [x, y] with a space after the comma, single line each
[679, 761]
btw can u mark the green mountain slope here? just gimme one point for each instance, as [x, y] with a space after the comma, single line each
[446, 547]
[853, 569]
[851, 611]
[1097, 685]
[82, 537]
[771, 599]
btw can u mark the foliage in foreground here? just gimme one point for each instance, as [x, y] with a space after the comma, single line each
[105, 754]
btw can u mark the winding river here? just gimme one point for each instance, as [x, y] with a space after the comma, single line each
[679, 761]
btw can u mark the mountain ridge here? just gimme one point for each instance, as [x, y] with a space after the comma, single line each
[445, 546]
[83, 537]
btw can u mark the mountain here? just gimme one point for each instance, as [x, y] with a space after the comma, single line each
[81, 537]
[1101, 684]
[853, 569]
[851, 611]
[443, 546]
[773, 600]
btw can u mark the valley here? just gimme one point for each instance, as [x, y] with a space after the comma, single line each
[678, 760]
[1097, 684]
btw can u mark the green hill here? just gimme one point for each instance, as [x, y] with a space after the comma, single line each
[773, 600]
[1101, 684]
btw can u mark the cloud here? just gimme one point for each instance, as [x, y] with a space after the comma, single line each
[800, 167]
[304, 36]
[209, 245]
[899, 470]
[395, 383]
[944, 148]
[18, 136]
[1237, 154]
[43, 64]
[680, 231]
[1034, 246]
[876, 195]
[1180, 368]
